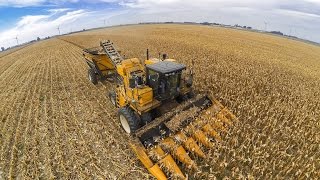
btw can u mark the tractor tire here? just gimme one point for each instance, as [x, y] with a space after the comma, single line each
[112, 97]
[128, 119]
[92, 76]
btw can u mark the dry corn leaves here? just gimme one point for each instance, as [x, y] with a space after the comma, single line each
[54, 123]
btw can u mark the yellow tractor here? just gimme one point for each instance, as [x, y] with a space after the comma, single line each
[158, 108]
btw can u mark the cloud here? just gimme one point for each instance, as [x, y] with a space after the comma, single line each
[28, 3]
[298, 14]
[31, 26]
[21, 3]
[31, 20]
[214, 4]
[294, 17]
[59, 10]
[69, 17]
[109, 1]
[313, 1]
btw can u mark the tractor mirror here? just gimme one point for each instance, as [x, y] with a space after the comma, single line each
[132, 83]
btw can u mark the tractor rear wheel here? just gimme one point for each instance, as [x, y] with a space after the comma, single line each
[128, 119]
[92, 76]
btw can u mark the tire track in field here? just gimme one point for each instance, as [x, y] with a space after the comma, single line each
[12, 127]
[8, 97]
[59, 143]
[33, 168]
[63, 152]
[59, 127]
[15, 97]
[20, 161]
[73, 105]
[10, 81]
[44, 149]
[85, 124]
[85, 158]
[18, 131]
[51, 118]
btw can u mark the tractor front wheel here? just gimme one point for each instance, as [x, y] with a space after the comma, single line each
[92, 76]
[128, 119]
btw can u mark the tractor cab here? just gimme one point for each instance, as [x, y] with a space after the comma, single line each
[164, 78]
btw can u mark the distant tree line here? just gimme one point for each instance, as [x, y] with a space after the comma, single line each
[32, 41]
[277, 32]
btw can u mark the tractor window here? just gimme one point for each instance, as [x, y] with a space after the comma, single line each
[139, 80]
[172, 80]
[152, 72]
[153, 81]
[153, 76]
[172, 83]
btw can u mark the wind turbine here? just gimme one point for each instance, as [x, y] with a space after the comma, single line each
[59, 29]
[265, 25]
[290, 31]
[16, 38]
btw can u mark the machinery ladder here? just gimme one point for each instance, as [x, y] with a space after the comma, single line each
[112, 53]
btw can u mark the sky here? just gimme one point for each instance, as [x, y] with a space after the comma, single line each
[25, 20]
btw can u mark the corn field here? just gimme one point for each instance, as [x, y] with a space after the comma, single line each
[56, 125]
